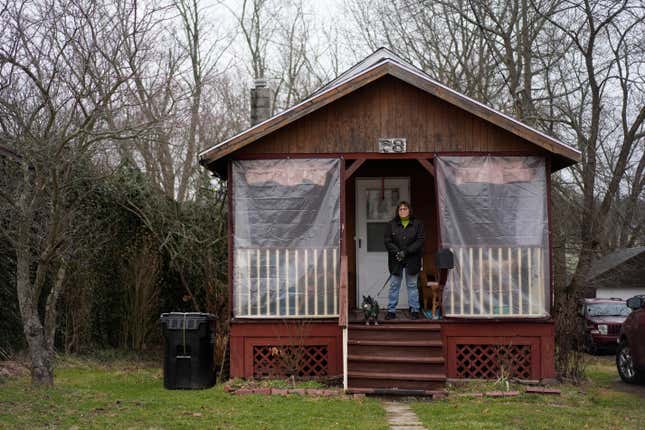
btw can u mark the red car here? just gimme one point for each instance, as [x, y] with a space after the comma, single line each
[601, 321]
[630, 355]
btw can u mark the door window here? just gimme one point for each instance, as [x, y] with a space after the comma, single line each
[380, 207]
[381, 203]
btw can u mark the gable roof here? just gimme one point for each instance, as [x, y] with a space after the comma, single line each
[380, 63]
[374, 58]
[620, 262]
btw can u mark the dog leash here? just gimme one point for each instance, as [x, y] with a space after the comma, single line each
[386, 281]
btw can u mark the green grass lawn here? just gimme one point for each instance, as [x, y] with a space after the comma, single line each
[604, 402]
[128, 395]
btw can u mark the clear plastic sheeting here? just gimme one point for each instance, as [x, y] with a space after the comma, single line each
[286, 237]
[493, 216]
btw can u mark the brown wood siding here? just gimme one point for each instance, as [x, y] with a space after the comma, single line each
[244, 335]
[422, 200]
[504, 333]
[389, 107]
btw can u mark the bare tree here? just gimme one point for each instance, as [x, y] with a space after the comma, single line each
[440, 38]
[203, 59]
[277, 36]
[174, 88]
[155, 94]
[60, 73]
[292, 39]
[257, 23]
[485, 49]
[598, 102]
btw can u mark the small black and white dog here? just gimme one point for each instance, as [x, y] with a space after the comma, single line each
[370, 310]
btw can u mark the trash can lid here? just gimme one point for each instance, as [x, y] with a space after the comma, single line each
[186, 316]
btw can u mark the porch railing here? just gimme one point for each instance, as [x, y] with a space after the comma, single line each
[344, 282]
[286, 282]
[497, 282]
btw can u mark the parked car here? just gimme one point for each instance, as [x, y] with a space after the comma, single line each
[630, 355]
[601, 320]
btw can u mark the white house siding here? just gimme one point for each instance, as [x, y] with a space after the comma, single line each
[622, 293]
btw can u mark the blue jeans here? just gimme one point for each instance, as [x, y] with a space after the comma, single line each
[413, 292]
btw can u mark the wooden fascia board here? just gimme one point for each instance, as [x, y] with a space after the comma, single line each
[293, 114]
[485, 113]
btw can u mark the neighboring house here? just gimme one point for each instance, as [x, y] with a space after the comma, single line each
[310, 190]
[620, 274]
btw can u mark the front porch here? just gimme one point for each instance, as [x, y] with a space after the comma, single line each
[296, 301]
[402, 356]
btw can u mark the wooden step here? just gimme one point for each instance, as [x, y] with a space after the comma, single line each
[396, 359]
[394, 335]
[393, 384]
[398, 392]
[396, 332]
[397, 343]
[398, 376]
[402, 351]
[395, 368]
[396, 327]
[395, 381]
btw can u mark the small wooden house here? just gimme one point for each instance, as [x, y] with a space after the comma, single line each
[310, 190]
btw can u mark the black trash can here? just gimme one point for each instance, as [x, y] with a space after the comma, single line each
[188, 359]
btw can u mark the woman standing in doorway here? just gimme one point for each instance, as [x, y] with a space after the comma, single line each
[404, 237]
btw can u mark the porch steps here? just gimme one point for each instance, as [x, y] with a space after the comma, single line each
[397, 355]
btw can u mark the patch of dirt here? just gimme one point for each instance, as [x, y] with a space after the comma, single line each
[619, 385]
[12, 369]
[608, 360]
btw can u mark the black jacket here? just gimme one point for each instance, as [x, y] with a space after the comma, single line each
[410, 240]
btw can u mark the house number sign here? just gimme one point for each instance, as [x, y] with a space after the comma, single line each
[397, 144]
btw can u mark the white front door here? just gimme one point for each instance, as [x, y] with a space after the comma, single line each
[376, 200]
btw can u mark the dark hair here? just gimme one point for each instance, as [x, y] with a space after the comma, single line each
[402, 203]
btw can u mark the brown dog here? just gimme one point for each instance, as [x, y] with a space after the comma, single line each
[431, 290]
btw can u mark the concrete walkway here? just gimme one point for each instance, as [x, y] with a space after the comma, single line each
[401, 417]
